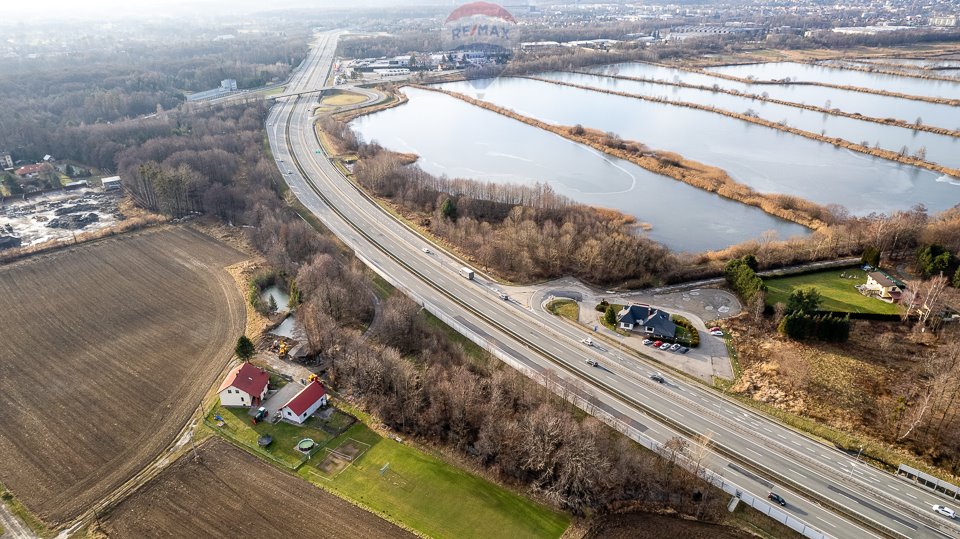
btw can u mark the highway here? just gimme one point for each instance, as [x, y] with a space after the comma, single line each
[828, 491]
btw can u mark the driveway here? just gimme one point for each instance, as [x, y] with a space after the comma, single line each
[698, 305]
[274, 402]
[12, 527]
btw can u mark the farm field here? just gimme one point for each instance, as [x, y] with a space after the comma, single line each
[229, 493]
[107, 349]
[426, 493]
[839, 293]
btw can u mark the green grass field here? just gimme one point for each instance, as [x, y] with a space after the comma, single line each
[237, 425]
[430, 496]
[839, 294]
[566, 308]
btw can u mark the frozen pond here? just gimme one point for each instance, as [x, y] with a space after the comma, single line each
[279, 295]
[469, 142]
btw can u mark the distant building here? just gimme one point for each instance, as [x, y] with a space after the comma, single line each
[944, 20]
[539, 45]
[79, 184]
[6, 161]
[31, 171]
[111, 183]
[229, 85]
[226, 86]
[9, 242]
[246, 386]
[305, 403]
[647, 319]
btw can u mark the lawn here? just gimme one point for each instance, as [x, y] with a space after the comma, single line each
[429, 495]
[341, 99]
[839, 293]
[237, 425]
[566, 308]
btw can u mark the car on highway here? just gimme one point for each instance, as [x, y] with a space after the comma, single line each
[658, 378]
[675, 347]
[665, 346]
[588, 341]
[945, 511]
[647, 342]
[426, 250]
[776, 498]
[593, 363]
[717, 333]
[503, 296]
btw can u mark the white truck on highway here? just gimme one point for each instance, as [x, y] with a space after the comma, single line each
[466, 273]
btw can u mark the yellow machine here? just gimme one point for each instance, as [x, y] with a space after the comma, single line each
[282, 351]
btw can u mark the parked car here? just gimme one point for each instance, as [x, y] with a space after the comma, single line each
[647, 342]
[588, 341]
[776, 498]
[665, 346]
[717, 333]
[675, 347]
[683, 350]
[593, 363]
[657, 343]
[658, 378]
[949, 513]
[715, 328]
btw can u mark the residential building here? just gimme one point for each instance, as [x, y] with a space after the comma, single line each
[948, 20]
[246, 385]
[883, 286]
[31, 171]
[6, 161]
[111, 183]
[307, 401]
[648, 320]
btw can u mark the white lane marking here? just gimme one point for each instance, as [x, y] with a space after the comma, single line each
[766, 429]
[911, 495]
[828, 523]
[893, 487]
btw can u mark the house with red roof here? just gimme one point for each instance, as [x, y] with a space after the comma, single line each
[305, 403]
[246, 385]
[30, 171]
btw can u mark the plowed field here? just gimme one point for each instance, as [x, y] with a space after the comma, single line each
[229, 493]
[105, 351]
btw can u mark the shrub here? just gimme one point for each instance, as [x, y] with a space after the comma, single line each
[602, 306]
[742, 278]
[686, 324]
[801, 326]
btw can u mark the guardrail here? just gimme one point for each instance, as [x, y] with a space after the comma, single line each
[929, 481]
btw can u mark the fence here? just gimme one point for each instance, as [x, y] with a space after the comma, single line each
[929, 481]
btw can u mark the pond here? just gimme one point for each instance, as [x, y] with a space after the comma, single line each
[279, 295]
[941, 149]
[766, 159]
[878, 106]
[469, 142]
[847, 77]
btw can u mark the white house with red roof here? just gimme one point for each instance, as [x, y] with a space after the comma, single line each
[305, 403]
[246, 385]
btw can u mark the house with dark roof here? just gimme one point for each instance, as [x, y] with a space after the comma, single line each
[246, 385]
[883, 286]
[648, 320]
[305, 403]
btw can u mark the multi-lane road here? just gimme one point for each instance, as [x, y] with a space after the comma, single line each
[827, 490]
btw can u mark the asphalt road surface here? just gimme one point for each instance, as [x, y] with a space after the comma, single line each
[826, 489]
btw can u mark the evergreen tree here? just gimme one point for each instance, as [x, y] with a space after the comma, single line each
[244, 348]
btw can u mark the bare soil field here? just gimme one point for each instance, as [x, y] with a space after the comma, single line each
[643, 525]
[229, 493]
[107, 349]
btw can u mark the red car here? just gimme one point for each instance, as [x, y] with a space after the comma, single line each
[657, 343]
[715, 328]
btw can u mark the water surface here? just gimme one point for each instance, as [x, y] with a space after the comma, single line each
[456, 139]
[766, 159]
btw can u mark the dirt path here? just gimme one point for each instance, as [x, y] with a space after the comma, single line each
[12, 527]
